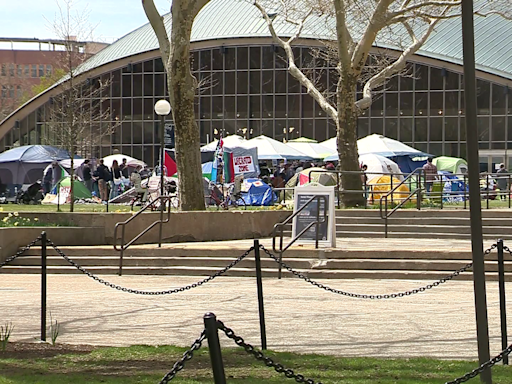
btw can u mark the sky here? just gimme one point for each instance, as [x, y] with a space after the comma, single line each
[110, 19]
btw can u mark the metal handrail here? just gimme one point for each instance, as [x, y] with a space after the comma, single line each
[417, 172]
[161, 221]
[280, 226]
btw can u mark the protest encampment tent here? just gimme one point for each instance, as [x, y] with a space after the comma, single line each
[130, 161]
[407, 157]
[25, 165]
[379, 165]
[380, 185]
[311, 148]
[62, 190]
[256, 192]
[227, 142]
[451, 164]
[270, 149]
[318, 176]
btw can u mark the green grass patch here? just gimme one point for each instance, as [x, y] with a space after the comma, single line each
[144, 364]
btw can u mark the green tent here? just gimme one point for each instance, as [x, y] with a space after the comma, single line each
[303, 140]
[79, 189]
[451, 164]
[302, 178]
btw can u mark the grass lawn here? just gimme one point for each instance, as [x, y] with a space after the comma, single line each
[143, 364]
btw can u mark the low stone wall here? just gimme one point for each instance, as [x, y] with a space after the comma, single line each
[182, 227]
[12, 238]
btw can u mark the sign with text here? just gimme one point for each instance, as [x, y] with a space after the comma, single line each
[317, 208]
[243, 164]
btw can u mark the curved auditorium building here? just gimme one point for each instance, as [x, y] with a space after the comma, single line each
[246, 89]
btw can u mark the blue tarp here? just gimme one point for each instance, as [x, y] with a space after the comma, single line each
[258, 193]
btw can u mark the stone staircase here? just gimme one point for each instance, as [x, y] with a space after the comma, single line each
[442, 248]
[439, 224]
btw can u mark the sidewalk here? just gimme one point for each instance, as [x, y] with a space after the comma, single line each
[299, 317]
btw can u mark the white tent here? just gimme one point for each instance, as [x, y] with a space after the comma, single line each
[314, 150]
[228, 142]
[270, 149]
[379, 165]
[130, 161]
[386, 147]
[379, 145]
[331, 144]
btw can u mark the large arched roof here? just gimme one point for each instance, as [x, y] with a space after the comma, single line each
[229, 19]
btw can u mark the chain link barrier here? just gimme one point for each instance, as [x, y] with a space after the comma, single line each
[289, 373]
[373, 297]
[180, 364]
[154, 293]
[488, 364]
[21, 251]
[505, 248]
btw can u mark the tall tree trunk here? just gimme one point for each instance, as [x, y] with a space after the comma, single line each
[346, 137]
[182, 89]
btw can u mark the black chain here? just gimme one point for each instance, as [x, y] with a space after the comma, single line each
[487, 365]
[21, 251]
[139, 292]
[363, 296]
[505, 248]
[260, 356]
[180, 364]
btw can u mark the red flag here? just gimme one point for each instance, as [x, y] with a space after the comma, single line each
[170, 165]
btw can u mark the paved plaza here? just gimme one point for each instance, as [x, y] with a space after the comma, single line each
[299, 317]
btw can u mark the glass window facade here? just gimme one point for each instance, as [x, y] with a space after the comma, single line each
[246, 90]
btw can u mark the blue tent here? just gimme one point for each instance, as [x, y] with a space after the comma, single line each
[258, 193]
[25, 165]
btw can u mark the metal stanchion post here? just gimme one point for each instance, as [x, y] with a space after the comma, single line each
[503, 302]
[43, 286]
[210, 326]
[261, 308]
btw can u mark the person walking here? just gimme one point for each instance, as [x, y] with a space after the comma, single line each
[87, 175]
[56, 173]
[430, 171]
[502, 181]
[103, 178]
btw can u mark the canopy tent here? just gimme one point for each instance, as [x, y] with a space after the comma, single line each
[302, 140]
[332, 145]
[407, 158]
[451, 164]
[130, 161]
[270, 149]
[379, 165]
[25, 165]
[227, 142]
[256, 192]
[312, 149]
[62, 190]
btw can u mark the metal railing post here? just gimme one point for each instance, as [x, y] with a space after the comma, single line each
[161, 220]
[121, 252]
[465, 188]
[503, 302]
[419, 186]
[210, 326]
[508, 192]
[44, 241]
[259, 283]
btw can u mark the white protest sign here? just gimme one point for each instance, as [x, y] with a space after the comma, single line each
[243, 164]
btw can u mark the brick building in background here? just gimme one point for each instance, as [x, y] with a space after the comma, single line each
[24, 62]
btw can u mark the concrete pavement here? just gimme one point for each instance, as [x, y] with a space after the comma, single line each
[299, 317]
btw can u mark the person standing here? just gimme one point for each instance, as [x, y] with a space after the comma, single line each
[124, 168]
[47, 180]
[103, 178]
[86, 172]
[116, 180]
[56, 173]
[502, 181]
[430, 171]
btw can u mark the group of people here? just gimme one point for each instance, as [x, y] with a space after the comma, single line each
[104, 182]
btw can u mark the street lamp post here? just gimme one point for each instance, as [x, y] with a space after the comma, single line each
[162, 109]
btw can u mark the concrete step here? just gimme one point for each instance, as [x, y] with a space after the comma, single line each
[303, 264]
[418, 235]
[268, 273]
[393, 227]
[458, 221]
